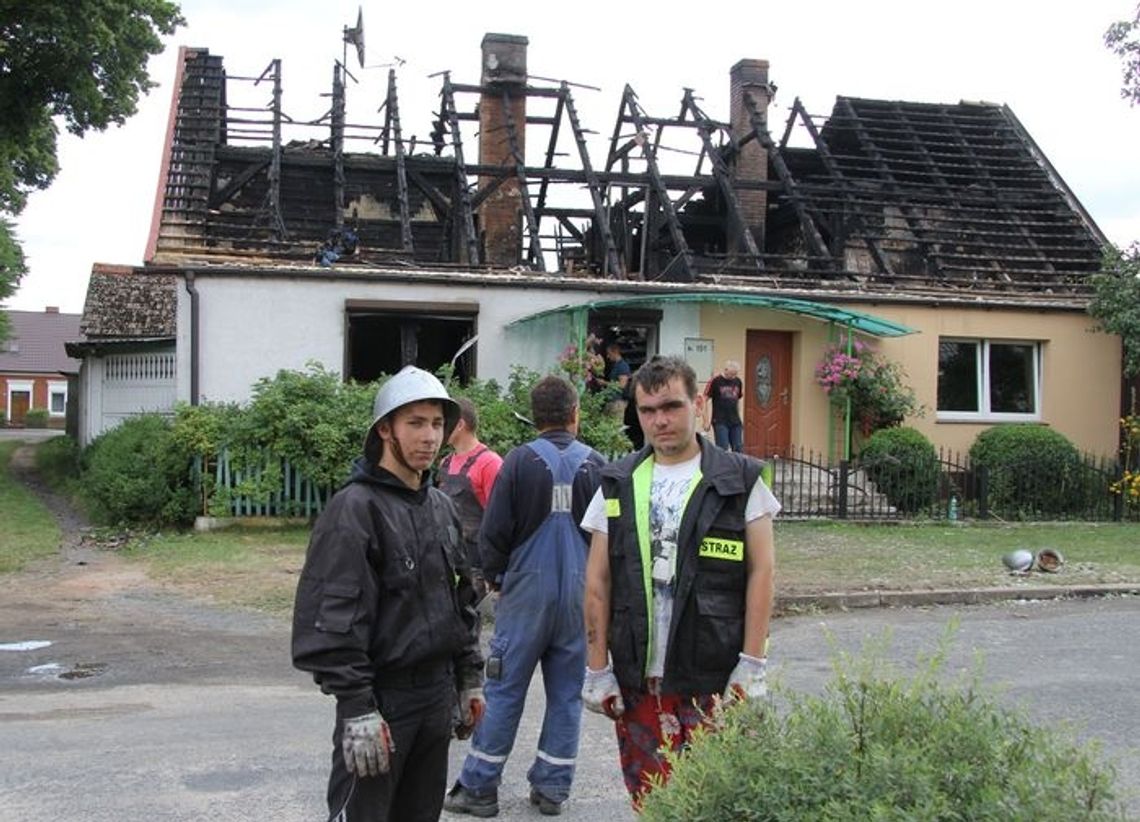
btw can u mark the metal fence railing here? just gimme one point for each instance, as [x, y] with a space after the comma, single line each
[950, 486]
[808, 485]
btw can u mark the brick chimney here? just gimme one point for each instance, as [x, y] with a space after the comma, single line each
[51, 309]
[751, 77]
[501, 214]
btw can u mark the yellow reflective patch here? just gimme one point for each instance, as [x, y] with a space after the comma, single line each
[716, 548]
[613, 507]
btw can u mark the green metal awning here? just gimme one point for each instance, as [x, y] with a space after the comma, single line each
[855, 320]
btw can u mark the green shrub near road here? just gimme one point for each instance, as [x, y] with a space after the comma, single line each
[903, 465]
[29, 529]
[1032, 470]
[877, 746]
[135, 473]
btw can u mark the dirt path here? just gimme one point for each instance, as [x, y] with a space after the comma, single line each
[103, 613]
[86, 563]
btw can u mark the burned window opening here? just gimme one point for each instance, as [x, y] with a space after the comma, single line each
[380, 342]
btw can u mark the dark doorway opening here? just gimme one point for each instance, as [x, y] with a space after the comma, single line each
[636, 332]
[382, 340]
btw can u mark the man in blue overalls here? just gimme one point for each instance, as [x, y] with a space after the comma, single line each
[534, 553]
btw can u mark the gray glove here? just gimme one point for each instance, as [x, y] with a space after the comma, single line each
[748, 679]
[601, 692]
[472, 706]
[367, 745]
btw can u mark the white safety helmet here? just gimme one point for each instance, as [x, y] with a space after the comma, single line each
[409, 384]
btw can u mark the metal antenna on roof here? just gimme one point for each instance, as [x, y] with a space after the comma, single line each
[355, 36]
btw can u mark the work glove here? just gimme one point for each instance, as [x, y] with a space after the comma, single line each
[601, 693]
[472, 706]
[367, 745]
[748, 679]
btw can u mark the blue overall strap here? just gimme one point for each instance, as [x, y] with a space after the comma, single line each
[563, 465]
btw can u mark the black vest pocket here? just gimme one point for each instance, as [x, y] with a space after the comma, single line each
[720, 629]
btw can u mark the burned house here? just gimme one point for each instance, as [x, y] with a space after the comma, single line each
[938, 231]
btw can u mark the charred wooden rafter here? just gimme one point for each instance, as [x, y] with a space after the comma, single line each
[392, 109]
[465, 215]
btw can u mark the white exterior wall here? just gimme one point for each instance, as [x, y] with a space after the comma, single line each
[251, 328]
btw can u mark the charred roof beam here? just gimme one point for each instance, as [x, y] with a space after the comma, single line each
[393, 118]
[721, 173]
[886, 175]
[840, 179]
[465, 216]
[613, 265]
[534, 254]
[683, 260]
[760, 132]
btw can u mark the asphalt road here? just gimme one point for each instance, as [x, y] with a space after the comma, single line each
[182, 711]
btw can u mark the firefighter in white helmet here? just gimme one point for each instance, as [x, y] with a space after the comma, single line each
[384, 616]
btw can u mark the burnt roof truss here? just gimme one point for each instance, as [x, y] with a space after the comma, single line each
[884, 195]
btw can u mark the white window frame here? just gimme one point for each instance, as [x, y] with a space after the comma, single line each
[13, 387]
[982, 372]
[57, 387]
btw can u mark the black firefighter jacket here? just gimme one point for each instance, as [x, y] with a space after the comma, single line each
[707, 630]
[386, 589]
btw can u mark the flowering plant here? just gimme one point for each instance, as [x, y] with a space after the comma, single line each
[1128, 485]
[583, 366]
[879, 396]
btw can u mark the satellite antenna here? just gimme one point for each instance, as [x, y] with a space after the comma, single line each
[355, 36]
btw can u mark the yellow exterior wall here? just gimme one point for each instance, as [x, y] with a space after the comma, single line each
[1080, 368]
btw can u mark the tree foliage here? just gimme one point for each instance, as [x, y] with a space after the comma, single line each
[1116, 302]
[1123, 40]
[83, 62]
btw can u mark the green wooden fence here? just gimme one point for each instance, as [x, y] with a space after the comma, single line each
[272, 488]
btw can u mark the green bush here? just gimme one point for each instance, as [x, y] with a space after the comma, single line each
[36, 418]
[1031, 471]
[903, 465]
[317, 422]
[876, 746]
[137, 474]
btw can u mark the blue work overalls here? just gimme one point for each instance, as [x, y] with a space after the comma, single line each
[538, 619]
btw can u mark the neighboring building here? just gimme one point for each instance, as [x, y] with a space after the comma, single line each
[34, 368]
[127, 349]
[938, 230]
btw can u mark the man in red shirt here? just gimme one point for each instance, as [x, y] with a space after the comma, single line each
[466, 475]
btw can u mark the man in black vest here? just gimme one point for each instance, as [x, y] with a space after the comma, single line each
[679, 583]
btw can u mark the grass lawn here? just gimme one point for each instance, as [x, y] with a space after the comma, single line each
[28, 531]
[814, 557]
[258, 567]
[249, 567]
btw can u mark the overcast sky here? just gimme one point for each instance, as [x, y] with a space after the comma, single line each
[1048, 64]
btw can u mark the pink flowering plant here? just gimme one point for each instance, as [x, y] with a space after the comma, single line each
[880, 397]
[583, 365]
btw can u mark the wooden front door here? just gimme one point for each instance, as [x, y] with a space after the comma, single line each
[18, 411]
[768, 393]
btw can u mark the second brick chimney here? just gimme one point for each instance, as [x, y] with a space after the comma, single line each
[500, 215]
[750, 77]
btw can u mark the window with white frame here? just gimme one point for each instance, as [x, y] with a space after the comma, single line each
[57, 398]
[989, 379]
